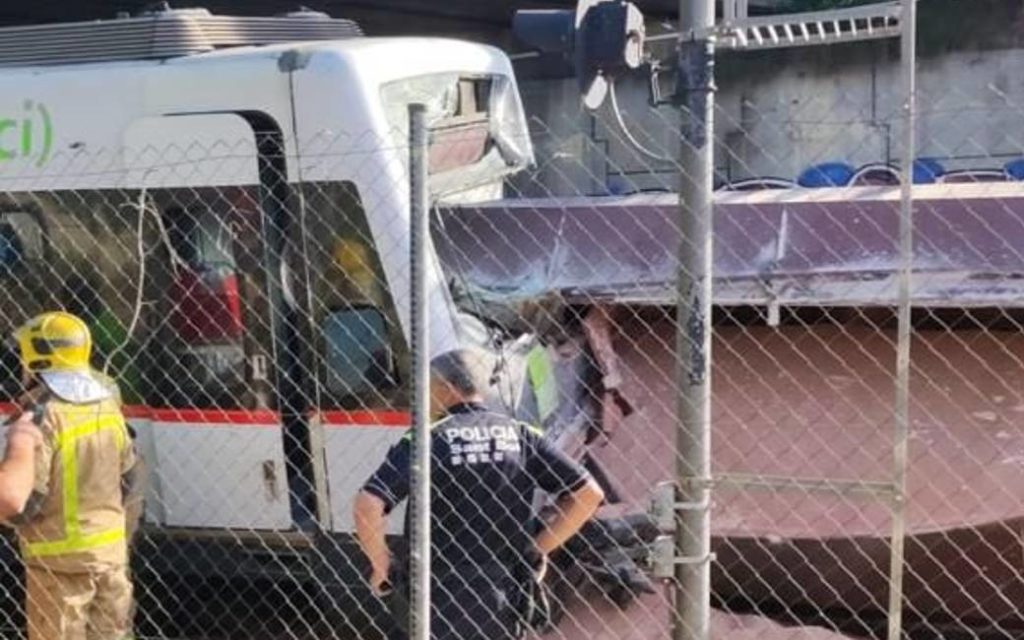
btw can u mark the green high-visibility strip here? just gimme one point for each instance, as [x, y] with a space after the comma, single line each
[69, 459]
[74, 545]
[73, 540]
[543, 381]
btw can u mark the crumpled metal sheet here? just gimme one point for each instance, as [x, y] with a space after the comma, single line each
[791, 247]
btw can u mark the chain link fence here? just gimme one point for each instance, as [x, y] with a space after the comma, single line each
[254, 310]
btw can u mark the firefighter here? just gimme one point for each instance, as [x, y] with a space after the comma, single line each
[66, 500]
[487, 558]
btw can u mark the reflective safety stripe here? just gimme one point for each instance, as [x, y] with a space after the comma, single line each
[74, 545]
[74, 541]
[91, 425]
[543, 381]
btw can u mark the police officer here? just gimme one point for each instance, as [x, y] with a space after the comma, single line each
[66, 497]
[486, 468]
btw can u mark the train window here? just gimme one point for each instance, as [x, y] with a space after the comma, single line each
[359, 351]
[12, 250]
[21, 240]
[206, 287]
[203, 352]
[78, 252]
[85, 296]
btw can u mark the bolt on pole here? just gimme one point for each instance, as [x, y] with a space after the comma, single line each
[419, 543]
[695, 98]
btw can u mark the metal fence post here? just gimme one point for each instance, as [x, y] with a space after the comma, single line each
[906, 238]
[419, 543]
[695, 95]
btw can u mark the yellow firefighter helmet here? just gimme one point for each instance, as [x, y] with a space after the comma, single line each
[55, 341]
[57, 346]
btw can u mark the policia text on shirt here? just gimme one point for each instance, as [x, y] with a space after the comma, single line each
[486, 468]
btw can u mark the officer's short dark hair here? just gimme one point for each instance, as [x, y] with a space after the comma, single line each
[468, 370]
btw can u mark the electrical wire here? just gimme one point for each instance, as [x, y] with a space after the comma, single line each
[625, 130]
[142, 207]
[139, 289]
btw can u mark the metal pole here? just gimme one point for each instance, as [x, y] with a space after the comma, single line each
[906, 235]
[419, 226]
[695, 97]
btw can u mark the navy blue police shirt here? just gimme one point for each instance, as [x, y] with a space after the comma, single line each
[486, 469]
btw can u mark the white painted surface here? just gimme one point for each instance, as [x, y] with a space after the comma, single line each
[146, 447]
[353, 454]
[195, 151]
[213, 476]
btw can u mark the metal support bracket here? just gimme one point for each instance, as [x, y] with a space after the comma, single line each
[663, 558]
[655, 96]
[664, 505]
[695, 71]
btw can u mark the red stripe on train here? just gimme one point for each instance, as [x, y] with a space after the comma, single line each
[365, 418]
[206, 416]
